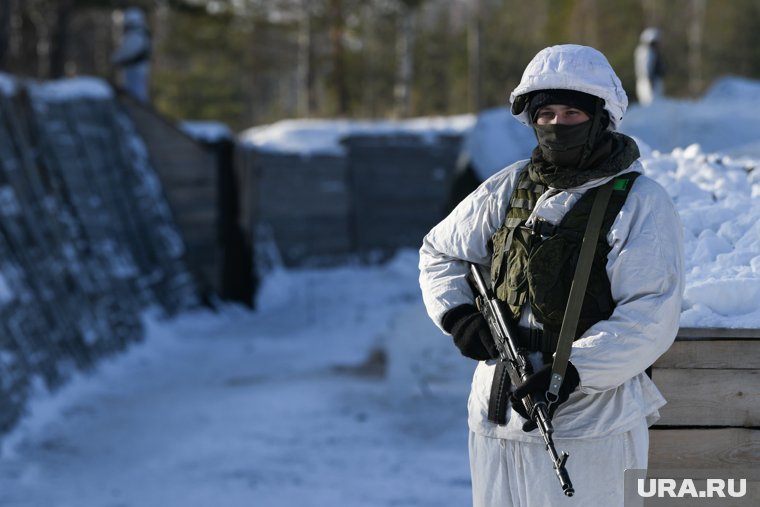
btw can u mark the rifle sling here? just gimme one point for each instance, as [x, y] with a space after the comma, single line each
[578, 290]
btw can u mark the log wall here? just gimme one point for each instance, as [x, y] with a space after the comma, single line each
[87, 240]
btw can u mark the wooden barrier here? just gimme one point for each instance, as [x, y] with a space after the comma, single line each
[202, 187]
[400, 185]
[306, 202]
[381, 193]
[188, 173]
[711, 379]
[87, 241]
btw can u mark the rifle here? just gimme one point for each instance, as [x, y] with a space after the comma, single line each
[519, 368]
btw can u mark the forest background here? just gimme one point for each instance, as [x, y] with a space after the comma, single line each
[252, 62]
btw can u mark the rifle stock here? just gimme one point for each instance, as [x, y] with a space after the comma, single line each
[520, 368]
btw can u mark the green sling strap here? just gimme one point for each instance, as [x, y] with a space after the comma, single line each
[578, 290]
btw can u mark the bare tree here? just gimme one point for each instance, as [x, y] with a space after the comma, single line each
[652, 12]
[5, 32]
[160, 30]
[589, 25]
[474, 55]
[340, 84]
[38, 13]
[59, 37]
[305, 72]
[695, 42]
[405, 51]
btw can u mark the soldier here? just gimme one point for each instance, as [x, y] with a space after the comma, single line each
[648, 66]
[525, 224]
[133, 56]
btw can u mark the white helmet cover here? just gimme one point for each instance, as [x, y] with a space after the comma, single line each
[572, 67]
[649, 35]
[134, 18]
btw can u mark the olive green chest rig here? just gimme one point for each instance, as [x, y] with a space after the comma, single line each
[535, 265]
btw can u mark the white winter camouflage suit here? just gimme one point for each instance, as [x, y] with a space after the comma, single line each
[603, 425]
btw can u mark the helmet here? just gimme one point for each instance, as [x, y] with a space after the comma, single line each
[649, 36]
[571, 67]
[134, 18]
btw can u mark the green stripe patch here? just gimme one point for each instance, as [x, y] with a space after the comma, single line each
[620, 184]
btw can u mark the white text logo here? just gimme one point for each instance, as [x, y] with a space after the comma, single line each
[687, 489]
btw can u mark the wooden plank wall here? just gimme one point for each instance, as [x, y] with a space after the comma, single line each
[305, 204]
[384, 193]
[188, 173]
[400, 185]
[87, 241]
[711, 379]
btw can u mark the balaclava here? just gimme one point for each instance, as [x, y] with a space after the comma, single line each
[570, 155]
[568, 146]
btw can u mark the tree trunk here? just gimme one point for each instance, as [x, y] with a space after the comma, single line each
[405, 47]
[59, 38]
[305, 71]
[695, 43]
[339, 71]
[5, 32]
[474, 58]
[39, 17]
[652, 12]
[590, 18]
[161, 33]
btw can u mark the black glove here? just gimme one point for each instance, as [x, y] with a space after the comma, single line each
[537, 385]
[471, 333]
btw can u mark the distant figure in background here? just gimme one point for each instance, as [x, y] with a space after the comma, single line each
[133, 56]
[649, 67]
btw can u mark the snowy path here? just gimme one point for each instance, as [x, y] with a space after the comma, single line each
[275, 408]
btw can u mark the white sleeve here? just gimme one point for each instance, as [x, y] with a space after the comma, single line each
[463, 237]
[645, 269]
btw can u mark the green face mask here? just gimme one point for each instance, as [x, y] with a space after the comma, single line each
[563, 145]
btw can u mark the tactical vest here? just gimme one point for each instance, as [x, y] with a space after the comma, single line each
[536, 264]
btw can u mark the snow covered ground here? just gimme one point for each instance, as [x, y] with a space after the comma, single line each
[338, 390]
[335, 392]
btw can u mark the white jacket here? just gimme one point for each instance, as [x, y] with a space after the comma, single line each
[645, 269]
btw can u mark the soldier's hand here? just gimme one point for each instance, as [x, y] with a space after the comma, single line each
[471, 333]
[536, 386]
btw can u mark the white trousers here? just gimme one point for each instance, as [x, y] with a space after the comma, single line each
[508, 473]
